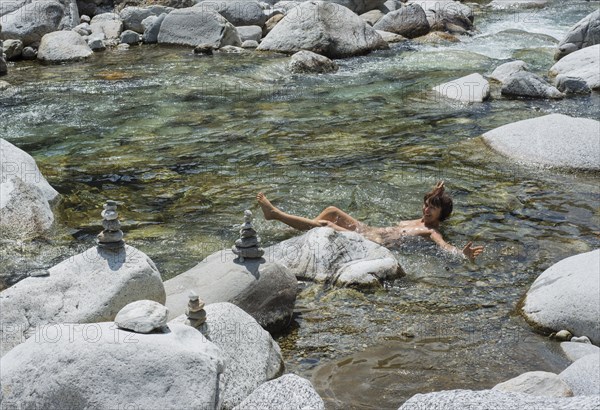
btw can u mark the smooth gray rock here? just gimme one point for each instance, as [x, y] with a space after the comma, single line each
[251, 355]
[583, 376]
[142, 316]
[565, 296]
[583, 64]
[62, 46]
[372, 17]
[16, 162]
[338, 258]
[537, 384]
[250, 44]
[110, 24]
[572, 85]
[89, 287]
[554, 140]
[153, 28]
[409, 21]
[309, 62]
[134, 16]
[391, 37]
[96, 42]
[359, 6]
[264, 289]
[324, 28]
[3, 66]
[4, 85]
[193, 26]
[583, 34]
[517, 4]
[472, 88]
[237, 12]
[526, 84]
[289, 392]
[504, 71]
[130, 37]
[30, 20]
[29, 53]
[447, 15]
[12, 49]
[575, 350]
[250, 33]
[496, 400]
[99, 366]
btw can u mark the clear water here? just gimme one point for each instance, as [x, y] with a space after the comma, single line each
[185, 142]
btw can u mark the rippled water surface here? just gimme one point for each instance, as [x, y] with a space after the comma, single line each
[185, 142]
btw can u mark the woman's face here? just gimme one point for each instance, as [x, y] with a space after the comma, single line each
[431, 214]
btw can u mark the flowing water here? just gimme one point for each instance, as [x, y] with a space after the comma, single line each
[185, 142]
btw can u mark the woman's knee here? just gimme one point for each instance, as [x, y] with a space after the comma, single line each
[331, 210]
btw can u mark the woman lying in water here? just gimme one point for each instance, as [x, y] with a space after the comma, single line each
[437, 206]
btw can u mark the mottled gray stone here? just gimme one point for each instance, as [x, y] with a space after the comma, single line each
[472, 88]
[12, 49]
[134, 16]
[289, 392]
[110, 24]
[409, 21]
[572, 85]
[504, 71]
[585, 33]
[576, 350]
[526, 84]
[237, 12]
[309, 62]
[152, 28]
[391, 37]
[96, 42]
[447, 15]
[130, 37]
[250, 44]
[250, 33]
[537, 384]
[583, 64]
[583, 376]
[29, 53]
[61, 46]
[517, 4]
[372, 17]
[142, 316]
[554, 140]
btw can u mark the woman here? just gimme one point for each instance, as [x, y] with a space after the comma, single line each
[437, 206]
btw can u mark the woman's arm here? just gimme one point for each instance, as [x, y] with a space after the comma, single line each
[469, 251]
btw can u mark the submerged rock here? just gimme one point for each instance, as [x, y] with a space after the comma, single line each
[391, 37]
[517, 4]
[554, 140]
[583, 64]
[572, 85]
[504, 71]
[472, 88]
[409, 21]
[62, 46]
[537, 384]
[526, 84]
[309, 62]
[583, 376]
[288, 392]
[583, 34]
[97, 365]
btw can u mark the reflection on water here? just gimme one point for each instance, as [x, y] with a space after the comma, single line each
[184, 143]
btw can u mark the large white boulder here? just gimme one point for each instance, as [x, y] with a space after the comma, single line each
[289, 392]
[565, 296]
[98, 366]
[142, 316]
[536, 383]
[409, 21]
[193, 26]
[554, 140]
[133, 16]
[338, 258]
[583, 376]
[471, 88]
[583, 64]
[89, 287]
[63, 46]
[309, 62]
[497, 400]
[265, 290]
[323, 28]
[526, 84]
[583, 34]
[109, 24]
[251, 355]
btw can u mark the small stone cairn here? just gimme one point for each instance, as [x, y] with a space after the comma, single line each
[248, 246]
[196, 315]
[112, 236]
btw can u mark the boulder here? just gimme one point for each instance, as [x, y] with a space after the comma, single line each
[193, 26]
[251, 355]
[409, 21]
[496, 399]
[130, 37]
[237, 12]
[12, 49]
[30, 20]
[575, 351]
[134, 16]
[309, 62]
[583, 34]
[96, 42]
[271, 23]
[391, 37]
[250, 33]
[83, 29]
[565, 296]
[437, 37]
[517, 4]
[537, 384]
[359, 6]
[109, 24]
[554, 140]
[29, 53]
[4, 85]
[76, 366]
[288, 392]
[250, 44]
[142, 316]
[324, 28]
[572, 85]
[470, 89]
[503, 71]
[338, 258]
[583, 376]
[152, 28]
[86, 288]
[63, 46]
[447, 15]
[526, 84]
[372, 17]
[266, 290]
[583, 64]
[16, 162]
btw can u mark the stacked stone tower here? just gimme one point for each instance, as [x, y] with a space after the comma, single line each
[112, 236]
[196, 315]
[248, 246]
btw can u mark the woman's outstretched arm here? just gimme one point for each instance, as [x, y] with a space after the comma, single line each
[469, 251]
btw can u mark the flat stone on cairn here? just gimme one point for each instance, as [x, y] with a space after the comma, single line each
[248, 246]
[196, 315]
[112, 236]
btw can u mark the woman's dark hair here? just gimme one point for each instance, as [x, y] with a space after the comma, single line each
[439, 199]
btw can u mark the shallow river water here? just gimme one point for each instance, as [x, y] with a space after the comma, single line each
[185, 142]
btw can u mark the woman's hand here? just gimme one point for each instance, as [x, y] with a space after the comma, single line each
[471, 251]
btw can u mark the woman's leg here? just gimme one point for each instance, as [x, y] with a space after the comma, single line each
[340, 218]
[271, 212]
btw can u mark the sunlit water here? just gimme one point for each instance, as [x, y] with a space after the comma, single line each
[185, 142]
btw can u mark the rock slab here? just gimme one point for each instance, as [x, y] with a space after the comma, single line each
[472, 88]
[504, 71]
[575, 351]
[288, 392]
[554, 140]
[142, 316]
[583, 376]
[583, 34]
[537, 384]
[583, 64]
[526, 84]
[62, 46]
[309, 62]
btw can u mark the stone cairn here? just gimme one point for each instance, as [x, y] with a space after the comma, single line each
[112, 236]
[196, 315]
[248, 246]
[3, 66]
